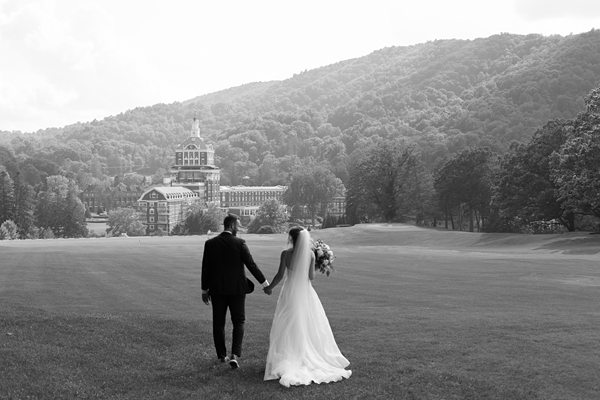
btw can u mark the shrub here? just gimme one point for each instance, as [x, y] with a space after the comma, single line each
[9, 230]
[266, 229]
[46, 233]
[158, 232]
[32, 233]
[542, 227]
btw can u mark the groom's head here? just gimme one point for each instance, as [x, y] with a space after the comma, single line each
[231, 223]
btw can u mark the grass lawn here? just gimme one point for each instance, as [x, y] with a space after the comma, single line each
[420, 314]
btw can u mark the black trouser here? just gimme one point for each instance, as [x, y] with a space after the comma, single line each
[236, 305]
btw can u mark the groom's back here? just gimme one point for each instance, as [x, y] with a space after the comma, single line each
[224, 264]
[228, 249]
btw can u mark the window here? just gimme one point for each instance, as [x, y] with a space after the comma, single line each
[151, 211]
[153, 195]
[151, 227]
[151, 219]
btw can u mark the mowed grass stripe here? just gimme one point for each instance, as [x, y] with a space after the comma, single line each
[421, 314]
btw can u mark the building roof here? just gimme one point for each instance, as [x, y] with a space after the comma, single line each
[242, 188]
[196, 142]
[171, 192]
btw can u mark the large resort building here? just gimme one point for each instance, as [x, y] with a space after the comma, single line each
[245, 200]
[162, 208]
[195, 179]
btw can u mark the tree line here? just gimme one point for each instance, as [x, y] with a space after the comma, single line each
[55, 210]
[433, 101]
[550, 183]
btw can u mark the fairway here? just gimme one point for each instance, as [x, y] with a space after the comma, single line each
[420, 314]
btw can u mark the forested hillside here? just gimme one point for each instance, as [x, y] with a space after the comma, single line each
[443, 96]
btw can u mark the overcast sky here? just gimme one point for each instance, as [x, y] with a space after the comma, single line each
[63, 61]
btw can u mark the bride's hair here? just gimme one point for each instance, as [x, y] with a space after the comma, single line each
[294, 233]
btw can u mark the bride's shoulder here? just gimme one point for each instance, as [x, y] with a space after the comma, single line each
[286, 255]
[285, 252]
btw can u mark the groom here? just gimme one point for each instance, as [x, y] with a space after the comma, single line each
[224, 283]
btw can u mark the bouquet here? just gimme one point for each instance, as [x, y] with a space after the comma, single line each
[323, 257]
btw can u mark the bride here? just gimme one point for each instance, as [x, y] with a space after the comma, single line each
[302, 348]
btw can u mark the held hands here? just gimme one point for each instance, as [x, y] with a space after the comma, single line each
[206, 298]
[267, 288]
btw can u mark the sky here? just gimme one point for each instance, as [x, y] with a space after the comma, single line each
[68, 61]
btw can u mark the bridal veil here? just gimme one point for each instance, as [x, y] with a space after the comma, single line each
[302, 347]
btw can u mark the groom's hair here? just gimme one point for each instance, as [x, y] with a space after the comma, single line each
[229, 220]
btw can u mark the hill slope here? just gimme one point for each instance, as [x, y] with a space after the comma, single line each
[443, 95]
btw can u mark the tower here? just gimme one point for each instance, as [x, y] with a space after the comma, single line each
[195, 167]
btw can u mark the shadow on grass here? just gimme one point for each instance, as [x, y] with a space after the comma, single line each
[575, 243]
[579, 245]
[209, 377]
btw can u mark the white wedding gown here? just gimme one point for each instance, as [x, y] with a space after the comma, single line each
[302, 348]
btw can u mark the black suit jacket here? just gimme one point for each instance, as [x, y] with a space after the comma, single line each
[223, 263]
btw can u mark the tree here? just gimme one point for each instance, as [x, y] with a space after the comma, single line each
[8, 162]
[525, 190]
[272, 214]
[9, 230]
[387, 181]
[24, 206]
[60, 209]
[575, 166]
[199, 220]
[125, 221]
[312, 187]
[7, 196]
[464, 184]
[211, 220]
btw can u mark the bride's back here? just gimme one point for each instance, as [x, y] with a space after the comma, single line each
[302, 348]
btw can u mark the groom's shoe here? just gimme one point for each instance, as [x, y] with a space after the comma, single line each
[233, 362]
[224, 359]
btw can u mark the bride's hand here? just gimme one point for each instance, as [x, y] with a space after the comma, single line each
[268, 290]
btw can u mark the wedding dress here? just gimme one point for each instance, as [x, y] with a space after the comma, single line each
[301, 344]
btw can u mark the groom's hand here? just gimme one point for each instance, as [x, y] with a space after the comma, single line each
[206, 298]
[268, 290]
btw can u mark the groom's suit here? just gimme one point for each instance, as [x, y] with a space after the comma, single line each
[224, 277]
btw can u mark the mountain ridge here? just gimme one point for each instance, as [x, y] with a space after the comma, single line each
[442, 95]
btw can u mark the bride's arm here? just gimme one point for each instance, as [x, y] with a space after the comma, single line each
[311, 269]
[279, 276]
